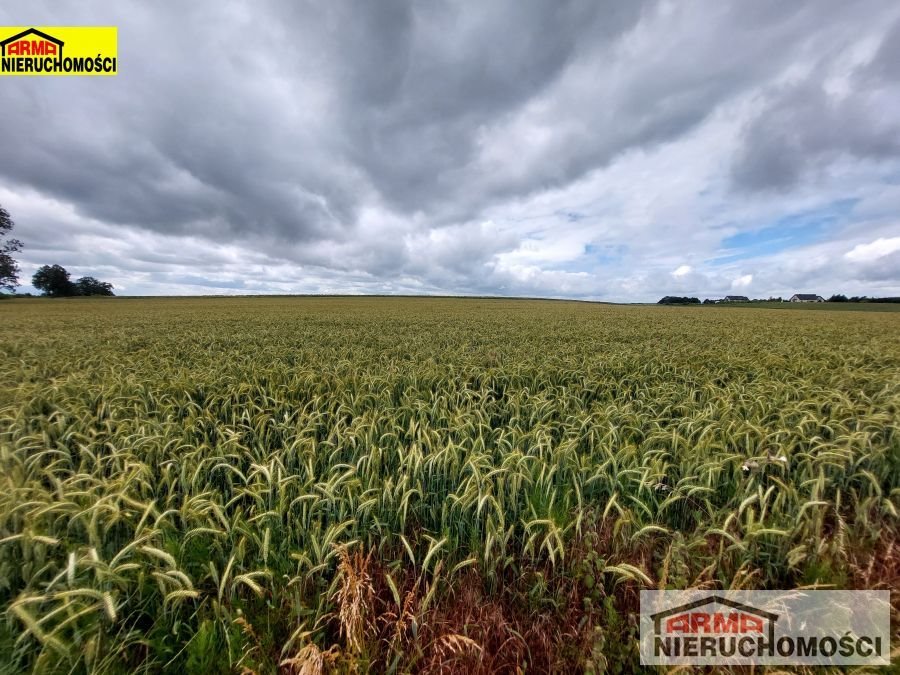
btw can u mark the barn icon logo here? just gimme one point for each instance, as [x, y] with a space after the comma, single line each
[31, 42]
[693, 629]
[38, 50]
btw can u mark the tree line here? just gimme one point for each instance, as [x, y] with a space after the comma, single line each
[52, 280]
[55, 281]
[9, 268]
[859, 298]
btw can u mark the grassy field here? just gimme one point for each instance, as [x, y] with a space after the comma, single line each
[819, 306]
[423, 485]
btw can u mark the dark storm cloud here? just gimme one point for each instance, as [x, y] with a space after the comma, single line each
[802, 127]
[886, 64]
[190, 138]
[885, 268]
[281, 122]
[449, 129]
[420, 90]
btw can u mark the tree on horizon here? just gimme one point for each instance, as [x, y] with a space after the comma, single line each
[9, 268]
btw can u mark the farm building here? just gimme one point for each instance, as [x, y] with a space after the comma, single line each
[736, 298]
[807, 297]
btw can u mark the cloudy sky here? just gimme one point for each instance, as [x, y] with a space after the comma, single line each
[600, 150]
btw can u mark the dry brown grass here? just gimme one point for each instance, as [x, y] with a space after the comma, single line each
[354, 597]
[310, 660]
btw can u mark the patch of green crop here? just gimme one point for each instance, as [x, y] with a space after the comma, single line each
[409, 484]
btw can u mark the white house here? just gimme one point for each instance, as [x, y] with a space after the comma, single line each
[807, 297]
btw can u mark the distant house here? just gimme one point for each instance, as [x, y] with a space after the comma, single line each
[736, 298]
[807, 297]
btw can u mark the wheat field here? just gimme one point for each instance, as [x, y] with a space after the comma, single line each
[306, 485]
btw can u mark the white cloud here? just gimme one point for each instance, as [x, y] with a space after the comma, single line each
[742, 281]
[684, 270]
[873, 250]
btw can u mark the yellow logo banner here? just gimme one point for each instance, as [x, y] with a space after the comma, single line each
[58, 50]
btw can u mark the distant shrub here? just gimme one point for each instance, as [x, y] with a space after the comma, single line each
[861, 298]
[54, 281]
